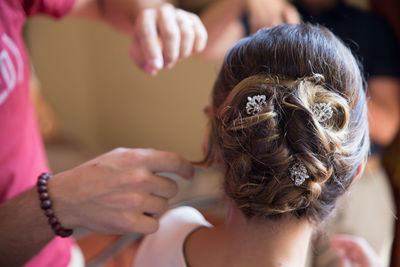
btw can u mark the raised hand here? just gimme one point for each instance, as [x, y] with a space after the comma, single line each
[354, 251]
[163, 35]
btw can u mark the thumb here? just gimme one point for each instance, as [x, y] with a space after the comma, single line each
[343, 260]
[355, 249]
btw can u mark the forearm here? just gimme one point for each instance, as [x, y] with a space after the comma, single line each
[118, 13]
[24, 229]
[222, 21]
[384, 109]
[384, 123]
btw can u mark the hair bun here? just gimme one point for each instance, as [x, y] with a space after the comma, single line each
[329, 109]
[282, 121]
[316, 78]
[314, 112]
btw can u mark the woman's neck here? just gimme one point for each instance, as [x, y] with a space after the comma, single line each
[255, 242]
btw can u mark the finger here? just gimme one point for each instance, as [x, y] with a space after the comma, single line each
[136, 55]
[145, 224]
[275, 22]
[347, 263]
[357, 249]
[140, 202]
[157, 185]
[154, 205]
[348, 243]
[341, 256]
[257, 22]
[201, 34]
[170, 34]
[160, 161]
[187, 33]
[341, 259]
[147, 36]
[164, 187]
[290, 15]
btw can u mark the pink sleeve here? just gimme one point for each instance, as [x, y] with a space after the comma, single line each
[54, 8]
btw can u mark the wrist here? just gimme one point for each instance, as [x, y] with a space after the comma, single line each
[47, 206]
[62, 205]
[122, 14]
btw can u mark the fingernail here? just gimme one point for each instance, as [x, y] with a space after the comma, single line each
[158, 63]
[149, 69]
[340, 252]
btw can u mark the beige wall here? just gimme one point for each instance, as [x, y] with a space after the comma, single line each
[103, 101]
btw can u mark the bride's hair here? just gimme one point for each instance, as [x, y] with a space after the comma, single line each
[295, 67]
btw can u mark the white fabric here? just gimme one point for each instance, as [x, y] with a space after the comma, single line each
[165, 247]
[77, 259]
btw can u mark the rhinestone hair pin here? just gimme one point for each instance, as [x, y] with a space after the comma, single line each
[323, 111]
[255, 104]
[298, 173]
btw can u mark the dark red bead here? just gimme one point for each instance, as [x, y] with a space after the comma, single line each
[45, 176]
[68, 232]
[41, 182]
[56, 227]
[49, 212]
[45, 204]
[64, 232]
[44, 196]
[53, 220]
[42, 189]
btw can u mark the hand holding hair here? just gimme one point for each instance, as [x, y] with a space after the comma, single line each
[118, 192]
[354, 251]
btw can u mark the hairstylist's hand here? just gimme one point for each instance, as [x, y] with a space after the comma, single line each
[354, 251]
[163, 35]
[118, 192]
[267, 13]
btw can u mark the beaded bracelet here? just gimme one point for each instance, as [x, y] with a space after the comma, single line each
[45, 204]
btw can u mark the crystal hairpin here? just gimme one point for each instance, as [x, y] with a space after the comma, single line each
[323, 111]
[255, 104]
[298, 173]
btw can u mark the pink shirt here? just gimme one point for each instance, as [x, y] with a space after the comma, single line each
[22, 156]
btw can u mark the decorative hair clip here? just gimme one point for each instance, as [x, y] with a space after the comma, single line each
[255, 104]
[298, 173]
[317, 78]
[322, 111]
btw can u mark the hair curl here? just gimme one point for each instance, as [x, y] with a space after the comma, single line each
[295, 67]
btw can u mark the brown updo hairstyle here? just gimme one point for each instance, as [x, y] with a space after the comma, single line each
[295, 67]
